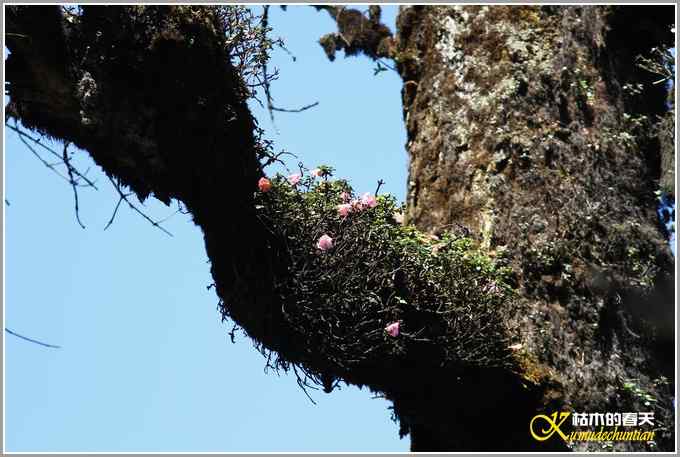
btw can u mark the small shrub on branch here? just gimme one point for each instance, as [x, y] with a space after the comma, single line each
[366, 295]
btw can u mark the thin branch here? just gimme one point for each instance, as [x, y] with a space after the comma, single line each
[275, 158]
[267, 79]
[182, 209]
[115, 211]
[302, 383]
[31, 339]
[232, 333]
[264, 22]
[298, 110]
[40, 158]
[72, 181]
[23, 135]
[74, 176]
[124, 197]
[160, 221]
[386, 65]
[377, 189]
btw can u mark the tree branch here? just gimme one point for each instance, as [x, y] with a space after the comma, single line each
[31, 339]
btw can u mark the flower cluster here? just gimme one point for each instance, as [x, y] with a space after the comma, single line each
[366, 293]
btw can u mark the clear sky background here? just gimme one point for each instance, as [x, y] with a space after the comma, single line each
[145, 363]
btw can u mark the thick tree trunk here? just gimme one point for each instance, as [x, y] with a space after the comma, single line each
[520, 129]
[516, 129]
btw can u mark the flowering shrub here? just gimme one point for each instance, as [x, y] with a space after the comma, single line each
[363, 293]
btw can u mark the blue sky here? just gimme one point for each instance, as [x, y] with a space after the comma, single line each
[145, 363]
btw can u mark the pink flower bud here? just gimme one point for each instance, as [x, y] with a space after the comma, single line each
[393, 329]
[344, 209]
[294, 179]
[325, 243]
[492, 288]
[368, 201]
[317, 172]
[264, 185]
[344, 196]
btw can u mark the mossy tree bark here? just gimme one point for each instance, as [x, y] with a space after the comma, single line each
[521, 129]
[516, 130]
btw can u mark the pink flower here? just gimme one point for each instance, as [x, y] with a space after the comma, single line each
[344, 196]
[325, 243]
[294, 179]
[344, 209]
[393, 329]
[264, 185]
[356, 204]
[368, 200]
[492, 288]
[317, 172]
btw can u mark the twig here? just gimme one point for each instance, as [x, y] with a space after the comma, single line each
[31, 339]
[23, 135]
[115, 211]
[232, 333]
[386, 65]
[266, 83]
[74, 177]
[303, 384]
[380, 183]
[179, 210]
[298, 110]
[274, 158]
[264, 23]
[39, 157]
[124, 197]
[72, 181]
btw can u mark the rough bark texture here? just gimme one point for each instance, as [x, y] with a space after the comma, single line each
[666, 133]
[517, 128]
[515, 119]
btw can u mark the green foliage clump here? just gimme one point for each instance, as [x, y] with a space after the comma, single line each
[249, 44]
[451, 300]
